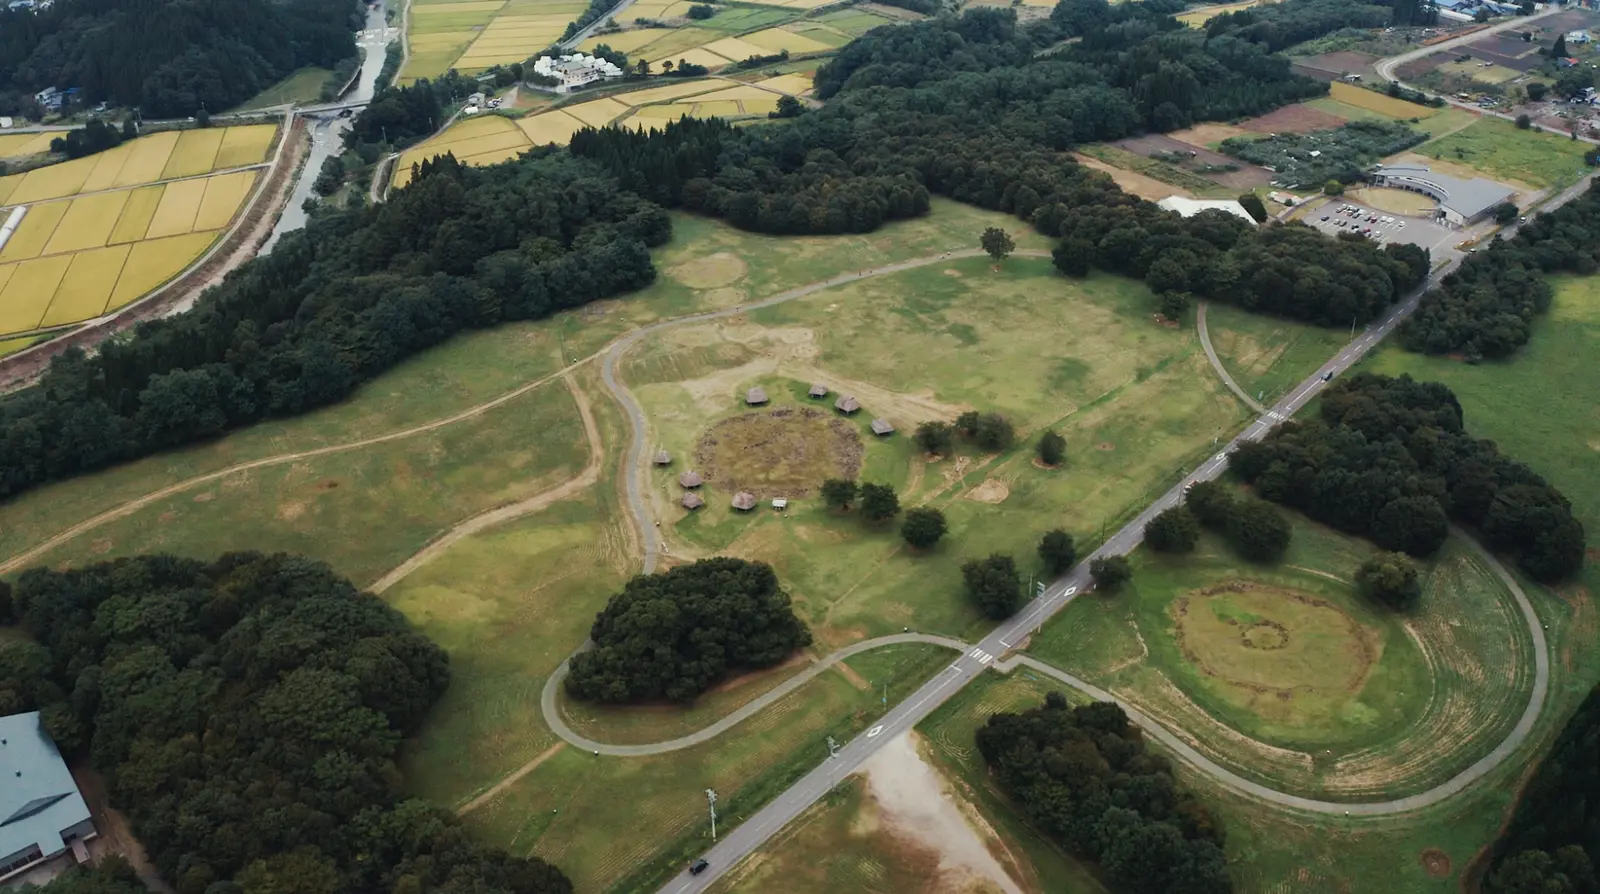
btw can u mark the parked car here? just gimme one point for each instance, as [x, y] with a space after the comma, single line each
[698, 867]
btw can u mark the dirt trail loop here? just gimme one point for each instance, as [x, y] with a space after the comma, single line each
[511, 511]
[134, 505]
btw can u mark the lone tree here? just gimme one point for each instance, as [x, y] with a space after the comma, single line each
[1058, 551]
[879, 502]
[1390, 579]
[1110, 573]
[994, 585]
[990, 431]
[1505, 213]
[934, 437]
[923, 527]
[1524, 122]
[1173, 531]
[1254, 206]
[1560, 49]
[839, 493]
[1052, 448]
[997, 243]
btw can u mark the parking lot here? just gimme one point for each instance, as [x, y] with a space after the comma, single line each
[1342, 216]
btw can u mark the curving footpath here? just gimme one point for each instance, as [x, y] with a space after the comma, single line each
[1216, 363]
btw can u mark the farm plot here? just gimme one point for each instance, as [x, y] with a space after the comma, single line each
[148, 159]
[1303, 160]
[1199, 160]
[472, 35]
[18, 145]
[1523, 158]
[1299, 118]
[1362, 98]
[1289, 677]
[118, 245]
[491, 139]
[1199, 17]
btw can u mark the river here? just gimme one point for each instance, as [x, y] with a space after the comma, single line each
[327, 131]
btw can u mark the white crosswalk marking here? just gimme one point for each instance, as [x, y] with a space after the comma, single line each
[982, 656]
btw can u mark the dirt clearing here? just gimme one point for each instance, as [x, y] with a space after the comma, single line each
[1137, 184]
[912, 797]
[1293, 119]
[992, 490]
[1206, 134]
[787, 452]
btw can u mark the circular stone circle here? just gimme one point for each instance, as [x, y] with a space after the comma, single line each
[1272, 641]
[784, 452]
[1265, 635]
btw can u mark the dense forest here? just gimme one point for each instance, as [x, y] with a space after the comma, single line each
[1486, 307]
[1278, 26]
[1552, 844]
[246, 714]
[1084, 777]
[1391, 459]
[673, 635]
[334, 305]
[172, 58]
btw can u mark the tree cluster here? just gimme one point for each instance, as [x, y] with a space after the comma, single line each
[334, 305]
[990, 432]
[399, 116]
[1391, 580]
[172, 59]
[673, 635]
[1551, 846]
[994, 585]
[1485, 308]
[1254, 529]
[1174, 530]
[1084, 777]
[95, 136]
[246, 714]
[1279, 26]
[1109, 573]
[1391, 460]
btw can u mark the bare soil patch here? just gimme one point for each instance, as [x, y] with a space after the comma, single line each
[1332, 65]
[992, 490]
[786, 452]
[1417, 67]
[1247, 177]
[720, 269]
[1435, 862]
[1205, 134]
[1137, 184]
[1293, 119]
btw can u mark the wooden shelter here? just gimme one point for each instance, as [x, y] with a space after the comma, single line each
[692, 501]
[882, 427]
[744, 501]
[756, 396]
[663, 458]
[691, 478]
[818, 390]
[846, 404]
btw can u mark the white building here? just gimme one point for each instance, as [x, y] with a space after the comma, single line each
[1461, 202]
[576, 70]
[1191, 207]
[1578, 37]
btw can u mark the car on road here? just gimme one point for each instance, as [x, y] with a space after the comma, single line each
[698, 867]
[1324, 217]
[1327, 376]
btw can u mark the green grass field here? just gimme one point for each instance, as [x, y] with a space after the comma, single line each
[1497, 148]
[1134, 400]
[1267, 356]
[363, 511]
[304, 85]
[1298, 682]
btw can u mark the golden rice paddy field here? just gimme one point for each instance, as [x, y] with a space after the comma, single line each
[1373, 101]
[492, 139]
[472, 35]
[75, 259]
[703, 46]
[1199, 17]
[17, 145]
[160, 156]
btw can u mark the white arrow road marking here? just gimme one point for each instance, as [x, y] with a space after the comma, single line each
[872, 733]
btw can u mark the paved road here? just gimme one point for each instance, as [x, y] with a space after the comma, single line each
[1216, 362]
[589, 29]
[750, 835]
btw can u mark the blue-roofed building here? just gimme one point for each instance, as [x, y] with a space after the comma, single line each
[41, 812]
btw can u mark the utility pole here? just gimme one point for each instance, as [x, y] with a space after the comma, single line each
[886, 695]
[711, 799]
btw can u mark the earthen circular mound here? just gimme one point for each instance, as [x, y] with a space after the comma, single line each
[1269, 640]
[786, 452]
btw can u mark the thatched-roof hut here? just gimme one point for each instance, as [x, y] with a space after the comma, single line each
[663, 458]
[846, 404]
[744, 501]
[691, 478]
[756, 396]
[819, 390]
[882, 427]
[692, 501]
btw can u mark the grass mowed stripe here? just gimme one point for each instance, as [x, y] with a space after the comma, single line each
[223, 196]
[28, 292]
[175, 215]
[87, 285]
[148, 159]
[88, 222]
[195, 153]
[34, 233]
[245, 145]
[136, 214]
[153, 262]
